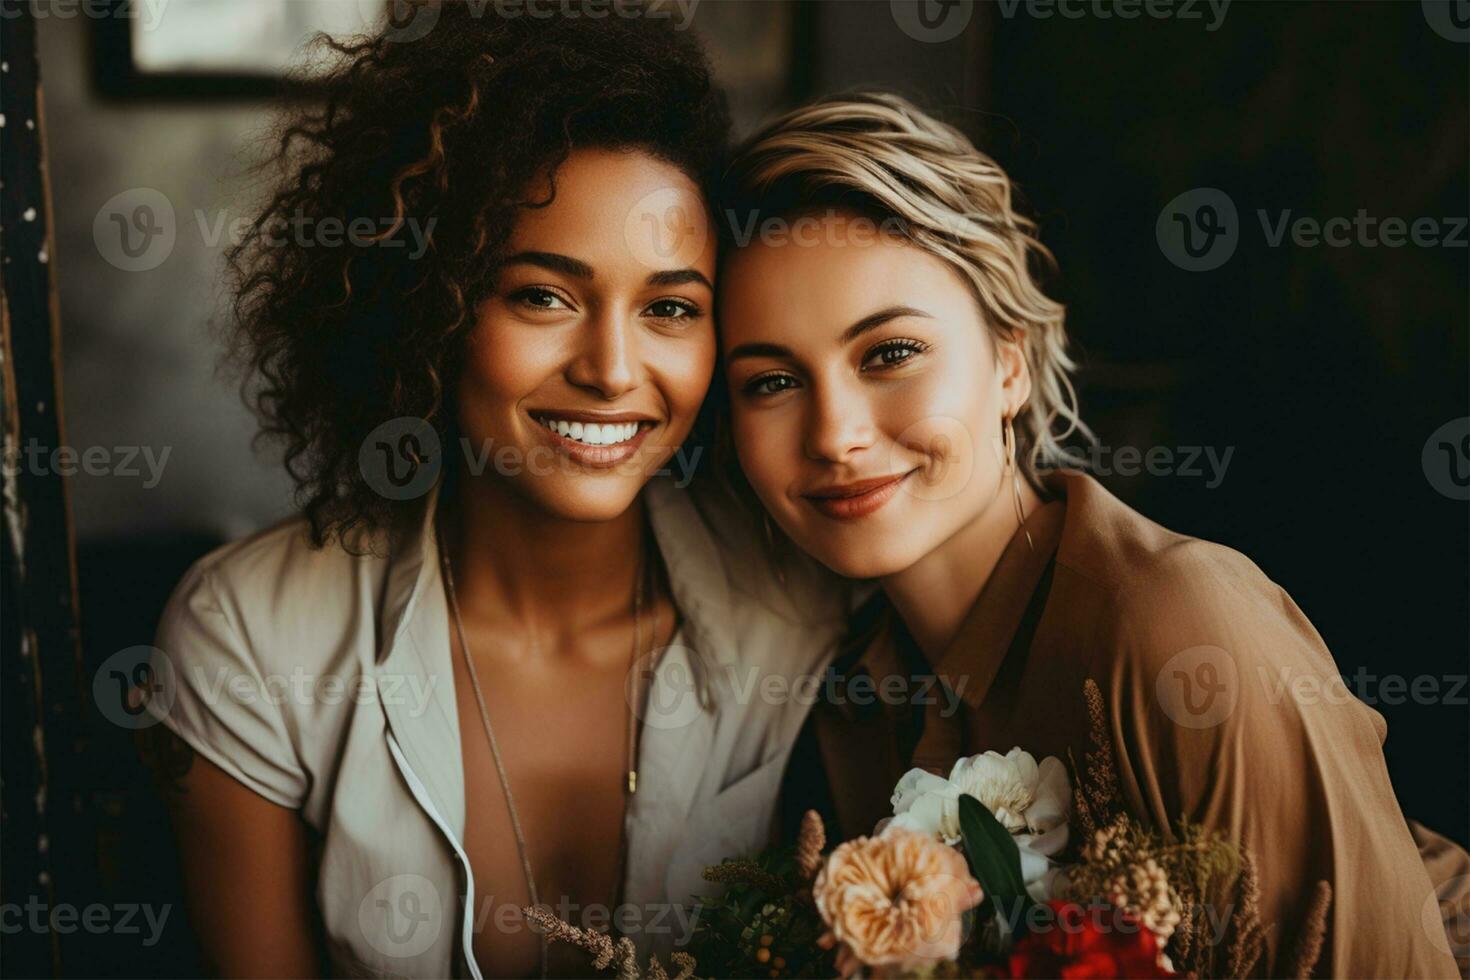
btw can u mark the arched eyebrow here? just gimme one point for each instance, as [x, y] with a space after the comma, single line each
[680, 277]
[875, 320]
[553, 262]
[577, 269]
[870, 322]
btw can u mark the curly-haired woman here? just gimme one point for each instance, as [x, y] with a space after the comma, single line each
[400, 717]
[896, 380]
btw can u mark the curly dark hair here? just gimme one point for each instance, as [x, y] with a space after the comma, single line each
[442, 136]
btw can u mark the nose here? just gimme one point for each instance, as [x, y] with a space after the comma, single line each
[606, 360]
[839, 424]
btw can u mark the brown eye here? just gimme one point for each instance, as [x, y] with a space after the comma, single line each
[769, 384]
[672, 309]
[538, 299]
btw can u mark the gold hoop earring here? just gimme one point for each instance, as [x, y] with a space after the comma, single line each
[1009, 435]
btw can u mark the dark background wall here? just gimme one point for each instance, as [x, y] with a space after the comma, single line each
[1323, 370]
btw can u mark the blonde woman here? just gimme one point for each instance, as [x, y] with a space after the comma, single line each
[896, 382]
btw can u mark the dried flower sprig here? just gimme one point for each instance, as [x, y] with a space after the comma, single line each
[745, 872]
[1169, 878]
[1247, 935]
[1095, 794]
[766, 923]
[1314, 931]
[607, 954]
[809, 844]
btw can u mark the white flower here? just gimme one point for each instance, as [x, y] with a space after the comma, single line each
[1029, 800]
[927, 803]
[1022, 795]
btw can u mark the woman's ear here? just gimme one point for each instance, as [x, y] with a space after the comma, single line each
[1015, 371]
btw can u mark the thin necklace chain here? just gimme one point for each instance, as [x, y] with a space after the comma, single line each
[631, 727]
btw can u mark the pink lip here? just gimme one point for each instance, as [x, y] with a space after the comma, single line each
[852, 501]
[577, 415]
[596, 457]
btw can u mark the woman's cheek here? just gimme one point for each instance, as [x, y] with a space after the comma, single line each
[760, 454]
[933, 433]
[688, 369]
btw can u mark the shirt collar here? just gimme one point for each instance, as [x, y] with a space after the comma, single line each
[691, 554]
[412, 557]
[971, 660]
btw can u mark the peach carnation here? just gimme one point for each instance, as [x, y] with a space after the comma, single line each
[897, 899]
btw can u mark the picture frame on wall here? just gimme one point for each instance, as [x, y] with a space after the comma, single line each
[214, 49]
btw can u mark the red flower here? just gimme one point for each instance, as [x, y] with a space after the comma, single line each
[1078, 942]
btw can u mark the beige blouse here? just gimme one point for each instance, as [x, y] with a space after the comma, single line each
[322, 681]
[1225, 708]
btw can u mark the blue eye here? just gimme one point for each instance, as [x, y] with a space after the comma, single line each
[892, 353]
[769, 384]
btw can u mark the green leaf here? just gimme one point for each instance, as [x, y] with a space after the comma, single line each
[994, 859]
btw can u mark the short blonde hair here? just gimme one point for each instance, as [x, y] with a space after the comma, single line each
[880, 155]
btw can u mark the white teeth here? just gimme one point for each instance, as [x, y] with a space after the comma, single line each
[593, 434]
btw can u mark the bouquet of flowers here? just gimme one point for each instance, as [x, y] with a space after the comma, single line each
[1008, 868]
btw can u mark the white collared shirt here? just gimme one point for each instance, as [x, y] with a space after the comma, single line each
[322, 681]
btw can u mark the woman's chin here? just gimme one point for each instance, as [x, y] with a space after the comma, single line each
[863, 560]
[587, 501]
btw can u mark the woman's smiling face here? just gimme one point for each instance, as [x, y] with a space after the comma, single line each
[866, 392]
[592, 355]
